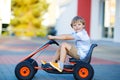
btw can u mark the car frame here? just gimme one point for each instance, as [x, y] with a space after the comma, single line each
[81, 69]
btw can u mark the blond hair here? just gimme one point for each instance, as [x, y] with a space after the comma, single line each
[77, 19]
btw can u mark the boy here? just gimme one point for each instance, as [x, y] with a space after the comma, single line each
[79, 51]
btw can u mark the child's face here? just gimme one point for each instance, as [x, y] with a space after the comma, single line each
[78, 26]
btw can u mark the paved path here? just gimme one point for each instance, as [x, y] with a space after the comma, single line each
[105, 60]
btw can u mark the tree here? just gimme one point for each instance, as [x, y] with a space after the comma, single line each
[27, 17]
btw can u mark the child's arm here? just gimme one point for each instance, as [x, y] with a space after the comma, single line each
[61, 37]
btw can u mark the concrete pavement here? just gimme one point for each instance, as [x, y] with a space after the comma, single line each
[105, 59]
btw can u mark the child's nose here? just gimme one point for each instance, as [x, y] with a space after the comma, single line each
[77, 25]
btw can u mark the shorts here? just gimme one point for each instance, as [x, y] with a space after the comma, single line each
[73, 52]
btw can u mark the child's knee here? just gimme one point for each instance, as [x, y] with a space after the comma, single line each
[64, 44]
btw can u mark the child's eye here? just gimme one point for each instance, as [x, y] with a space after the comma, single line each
[79, 24]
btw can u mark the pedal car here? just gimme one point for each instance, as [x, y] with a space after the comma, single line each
[81, 69]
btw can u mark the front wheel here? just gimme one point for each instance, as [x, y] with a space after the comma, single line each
[33, 62]
[83, 71]
[24, 71]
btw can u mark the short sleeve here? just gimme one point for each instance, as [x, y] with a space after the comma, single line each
[81, 35]
[76, 36]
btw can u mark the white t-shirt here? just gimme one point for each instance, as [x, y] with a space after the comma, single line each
[82, 43]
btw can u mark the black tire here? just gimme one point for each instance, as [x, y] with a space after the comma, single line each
[33, 62]
[24, 71]
[83, 71]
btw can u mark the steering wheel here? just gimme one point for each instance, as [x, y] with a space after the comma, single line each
[53, 42]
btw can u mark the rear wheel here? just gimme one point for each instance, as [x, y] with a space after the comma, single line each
[24, 71]
[83, 71]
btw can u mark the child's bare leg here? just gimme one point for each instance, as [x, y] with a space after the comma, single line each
[64, 48]
[63, 51]
[57, 56]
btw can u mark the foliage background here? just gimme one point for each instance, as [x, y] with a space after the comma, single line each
[27, 17]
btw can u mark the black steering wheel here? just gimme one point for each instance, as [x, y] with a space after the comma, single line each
[53, 42]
